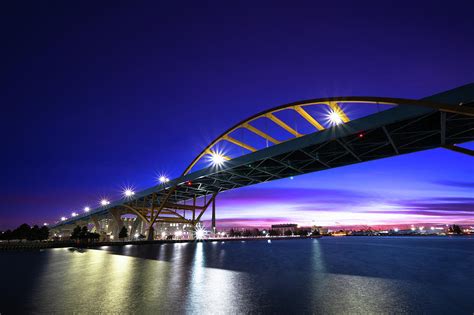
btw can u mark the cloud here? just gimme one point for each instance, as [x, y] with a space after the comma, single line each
[452, 183]
[294, 196]
[450, 205]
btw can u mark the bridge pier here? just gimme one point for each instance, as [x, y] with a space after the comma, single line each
[135, 227]
[151, 233]
[214, 215]
[118, 223]
[95, 221]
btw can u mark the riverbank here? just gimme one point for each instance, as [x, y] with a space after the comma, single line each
[5, 246]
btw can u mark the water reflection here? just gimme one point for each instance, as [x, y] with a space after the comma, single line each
[351, 275]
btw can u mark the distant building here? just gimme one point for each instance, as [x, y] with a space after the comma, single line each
[321, 230]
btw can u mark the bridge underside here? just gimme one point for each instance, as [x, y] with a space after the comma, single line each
[399, 130]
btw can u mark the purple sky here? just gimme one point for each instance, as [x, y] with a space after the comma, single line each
[95, 96]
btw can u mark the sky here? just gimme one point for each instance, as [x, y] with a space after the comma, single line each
[99, 95]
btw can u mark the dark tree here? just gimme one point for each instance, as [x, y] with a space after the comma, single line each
[84, 234]
[315, 232]
[7, 235]
[247, 233]
[22, 232]
[302, 232]
[288, 233]
[123, 233]
[43, 233]
[94, 236]
[141, 237]
[34, 233]
[456, 229]
[76, 233]
[273, 233]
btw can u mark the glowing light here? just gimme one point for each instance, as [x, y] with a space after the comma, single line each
[128, 192]
[104, 202]
[136, 235]
[163, 179]
[178, 233]
[334, 117]
[200, 232]
[63, 218]
[45, 224]
[111, 237]
[87, 209]
[74, 214]
[217, 159]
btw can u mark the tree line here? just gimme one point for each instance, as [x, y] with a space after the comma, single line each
[26, 232]
[83, 234]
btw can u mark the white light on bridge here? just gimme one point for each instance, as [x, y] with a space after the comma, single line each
[334, 117]
[63, 218]
[104, 202]
[74, 214]
[87, 209]
[128, 192]
[217, 159]
[45, 224]
[163, 179]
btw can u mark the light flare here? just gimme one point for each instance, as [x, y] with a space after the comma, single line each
[334, 117]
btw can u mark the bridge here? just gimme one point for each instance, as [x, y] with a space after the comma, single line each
[331, 137]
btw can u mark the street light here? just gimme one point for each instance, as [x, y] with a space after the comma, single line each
[63, 218]
[163, 179]
[217, 159]
[334, 117]
[128, 192]
[104, 202]
[74, 214]
[87, 209]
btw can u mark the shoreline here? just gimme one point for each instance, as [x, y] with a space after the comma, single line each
[12, 246]
[20, 246]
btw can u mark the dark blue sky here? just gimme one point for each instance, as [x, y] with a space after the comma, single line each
[97, 95]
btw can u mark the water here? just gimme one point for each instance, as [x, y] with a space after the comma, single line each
[327, 275]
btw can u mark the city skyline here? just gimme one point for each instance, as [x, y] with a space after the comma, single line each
[109, 106]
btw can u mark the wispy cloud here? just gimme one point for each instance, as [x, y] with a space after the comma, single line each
[453, 183]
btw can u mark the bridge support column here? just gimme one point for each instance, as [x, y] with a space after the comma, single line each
[135, 227]
[118, 223]
[95, 221]
[151, 233]
[214, 215]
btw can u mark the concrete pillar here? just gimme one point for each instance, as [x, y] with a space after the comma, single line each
[118, 223]
[151, 233]
[95, 221]
[214, 215]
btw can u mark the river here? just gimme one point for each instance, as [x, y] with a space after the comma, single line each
[331, 275]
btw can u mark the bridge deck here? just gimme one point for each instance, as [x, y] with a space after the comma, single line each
[400, 130]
